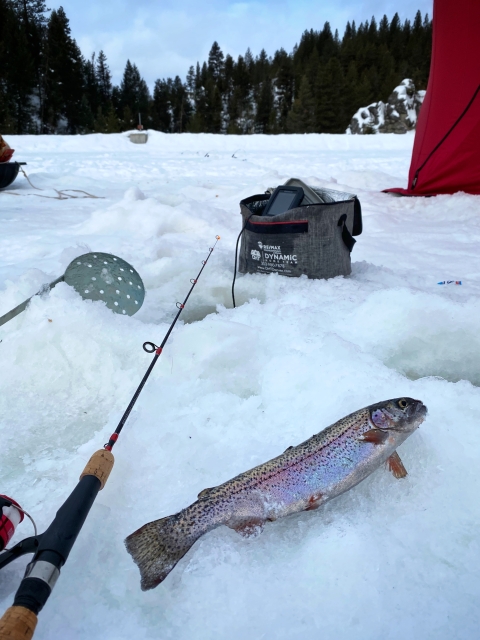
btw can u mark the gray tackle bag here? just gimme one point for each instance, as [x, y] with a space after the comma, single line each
[314, 239]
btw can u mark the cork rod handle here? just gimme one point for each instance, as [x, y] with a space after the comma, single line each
[17, 623]
[100, 466]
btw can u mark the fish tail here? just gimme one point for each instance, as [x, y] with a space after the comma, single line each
[157, 547]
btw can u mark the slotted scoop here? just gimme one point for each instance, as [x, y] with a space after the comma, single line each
[98, 276]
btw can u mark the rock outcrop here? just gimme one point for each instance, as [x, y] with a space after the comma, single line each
[398, 115]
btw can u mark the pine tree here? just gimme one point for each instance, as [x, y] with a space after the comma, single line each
[283, 81]
[16, 73]
[395, 39]
[197, 121]
[329, 93]
[301, 118]
[384, 30]
[261, 68]
[190, 86]
[104, 79]
[91, 88]
[228, 89]
[162, 107]
[64, 81]
[215, 62]
[86, 121]
[263, 94]
[181, 108]
[134, 96]
[241, 119]
[112, 121]
[350, 98]
[214, 106]
[100, 122]
[264, 117]
[31, 14]
[326, 45]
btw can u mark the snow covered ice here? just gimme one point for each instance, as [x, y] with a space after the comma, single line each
[234, 387]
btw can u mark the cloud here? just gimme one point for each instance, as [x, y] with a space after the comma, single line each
[164, 38]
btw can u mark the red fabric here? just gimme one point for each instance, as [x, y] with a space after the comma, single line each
[6, 155]
[454, 79]
[5, 151]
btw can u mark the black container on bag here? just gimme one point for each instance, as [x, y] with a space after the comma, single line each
[313, 239]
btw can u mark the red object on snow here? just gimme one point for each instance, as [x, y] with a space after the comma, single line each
[446, 151]
[10, 517]
[6, 152]
[6, 155]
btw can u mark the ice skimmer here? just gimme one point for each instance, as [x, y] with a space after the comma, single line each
[98, 276]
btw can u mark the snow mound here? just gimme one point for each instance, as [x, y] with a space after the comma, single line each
[398, 115]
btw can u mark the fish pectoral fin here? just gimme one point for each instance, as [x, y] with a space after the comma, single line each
[314, 502]
[249, 527]
[375, 436]
[395, 465]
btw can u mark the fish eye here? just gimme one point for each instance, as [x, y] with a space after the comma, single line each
[402, 403]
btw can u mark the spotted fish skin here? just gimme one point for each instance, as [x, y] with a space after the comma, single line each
[301, 479]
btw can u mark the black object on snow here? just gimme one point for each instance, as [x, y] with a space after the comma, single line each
[8, 173]
[312, 239]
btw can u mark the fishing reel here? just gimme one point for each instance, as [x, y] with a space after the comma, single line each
[11, 515]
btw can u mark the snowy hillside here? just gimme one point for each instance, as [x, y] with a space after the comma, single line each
[391, 559]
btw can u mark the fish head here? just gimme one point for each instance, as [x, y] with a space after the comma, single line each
[400, 414]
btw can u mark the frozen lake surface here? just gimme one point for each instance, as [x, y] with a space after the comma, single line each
[389, 560]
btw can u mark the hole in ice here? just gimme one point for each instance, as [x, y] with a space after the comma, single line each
[122, 269]
[130, 283]
[86, 291]
[136, 302]
[79, 263]
[105, 262]
[128, 296]
[117, 291]
[116, 304]
[93, 278]
[451, 355]
[131, 270]
[102, 291]
[115, 259]
[195, 313]
[89, 265]
[119, 278]
[123, 311]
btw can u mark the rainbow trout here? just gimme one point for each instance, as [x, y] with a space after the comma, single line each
[301, 479]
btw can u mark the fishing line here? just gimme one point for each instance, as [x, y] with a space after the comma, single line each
[236, 255]
[151, 347]
[61, 193]
[17, 506]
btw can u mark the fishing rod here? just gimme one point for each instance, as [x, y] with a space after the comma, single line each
[52, 548]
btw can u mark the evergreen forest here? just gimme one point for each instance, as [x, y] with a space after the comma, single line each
[48, 86]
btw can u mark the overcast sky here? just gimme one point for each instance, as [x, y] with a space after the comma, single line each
[164, 37]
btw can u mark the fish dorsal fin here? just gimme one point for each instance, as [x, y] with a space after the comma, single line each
[288, 448]
[205, 492]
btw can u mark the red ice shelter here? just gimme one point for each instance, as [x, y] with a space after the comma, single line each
[446, 151]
